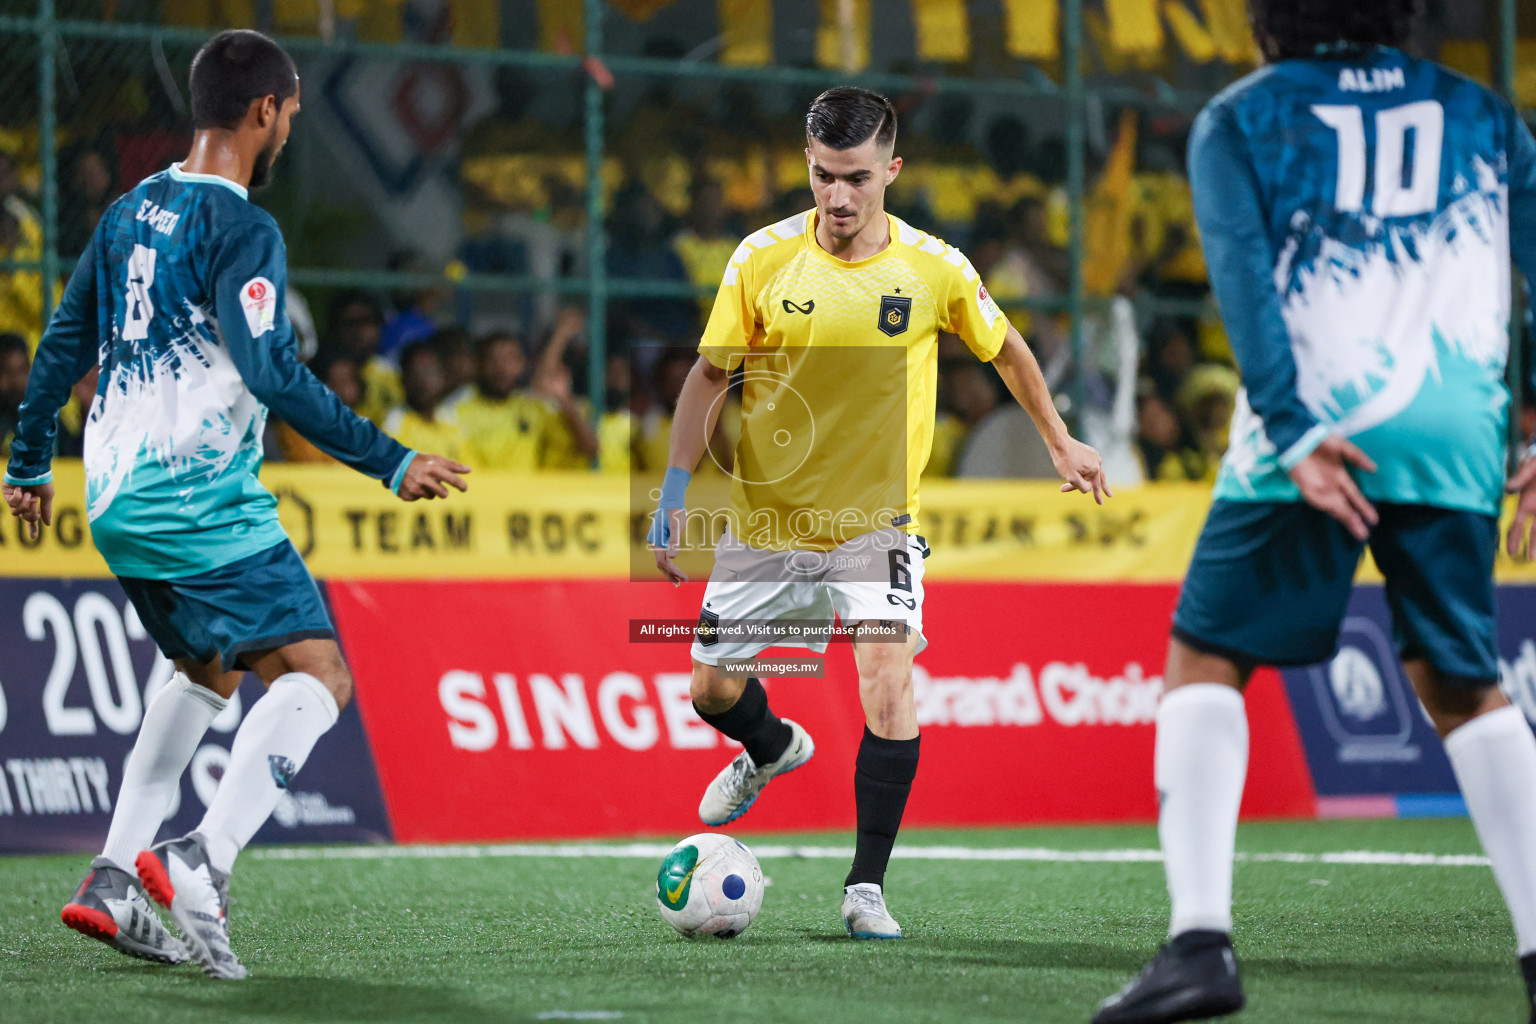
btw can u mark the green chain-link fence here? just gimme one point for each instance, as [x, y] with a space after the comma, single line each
[523, 211]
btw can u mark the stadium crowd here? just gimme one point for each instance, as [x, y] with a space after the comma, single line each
[505, 388]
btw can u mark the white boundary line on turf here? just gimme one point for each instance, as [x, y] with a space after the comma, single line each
[653, 851]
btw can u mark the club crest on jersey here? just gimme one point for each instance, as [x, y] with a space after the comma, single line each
[259, 300]
[895, 311]
[708, 632]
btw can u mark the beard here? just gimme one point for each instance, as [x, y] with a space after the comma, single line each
[261, 171]
[846, 230]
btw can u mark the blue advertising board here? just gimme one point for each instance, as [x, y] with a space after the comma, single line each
[76, 673]
[1363, 729]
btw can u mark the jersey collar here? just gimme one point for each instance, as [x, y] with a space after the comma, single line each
[814, 245]
[209, 179]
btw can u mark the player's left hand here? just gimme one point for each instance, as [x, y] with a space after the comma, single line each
[1082, 469]
[1522, 532]
[32, 504]
[426, 476]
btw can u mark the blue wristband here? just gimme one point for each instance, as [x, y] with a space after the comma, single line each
[394, 482]
[674, 487]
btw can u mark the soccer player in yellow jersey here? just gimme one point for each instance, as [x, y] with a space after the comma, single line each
[832, 317]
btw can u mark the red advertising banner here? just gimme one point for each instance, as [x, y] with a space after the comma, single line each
[520, 709]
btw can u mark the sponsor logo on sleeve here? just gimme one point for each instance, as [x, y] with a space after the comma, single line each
[989, 310]
[259, 300]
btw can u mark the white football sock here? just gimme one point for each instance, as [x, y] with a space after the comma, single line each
[173, 726]
[269, 750]
[1200, 763]
[1494, 758]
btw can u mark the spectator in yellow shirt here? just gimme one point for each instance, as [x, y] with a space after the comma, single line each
[705, 245]
[571, 442]
[76, 413]
[15, 365]
[356, 325]
[653, 432]
[503, 428]
[422, 423]
[21, 291]
[339, 372]
[616, 427]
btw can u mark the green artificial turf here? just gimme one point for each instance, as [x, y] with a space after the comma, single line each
[516, 939]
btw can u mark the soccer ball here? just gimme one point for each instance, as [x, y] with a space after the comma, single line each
[709, 884]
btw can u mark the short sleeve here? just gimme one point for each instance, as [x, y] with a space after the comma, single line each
[968, 310]
[733, 321]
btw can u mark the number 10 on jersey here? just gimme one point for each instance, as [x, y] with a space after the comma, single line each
[1395, 193]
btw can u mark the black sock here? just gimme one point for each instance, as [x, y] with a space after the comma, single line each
[1197, 939]
[882, 778]
[1528, 970]
[750, 723]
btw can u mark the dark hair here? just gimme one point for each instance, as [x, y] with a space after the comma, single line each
[846, 117]
[353, 297]
[327, 359]
[486, 342]
[10, 343]
[446, 339]
[1288, 29]
[234, 69]
[419, 350]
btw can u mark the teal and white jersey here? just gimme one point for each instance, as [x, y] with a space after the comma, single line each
[180, 299]
[1358, 213]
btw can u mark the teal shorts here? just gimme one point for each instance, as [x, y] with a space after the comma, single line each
[1270, 582]
[261, 602]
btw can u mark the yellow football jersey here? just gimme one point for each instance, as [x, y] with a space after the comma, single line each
[437, 436]
[560, 449]
[506, 435]
[839, 368]
[381, 390]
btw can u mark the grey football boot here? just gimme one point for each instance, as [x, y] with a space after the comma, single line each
[178, 875]
[110, 906]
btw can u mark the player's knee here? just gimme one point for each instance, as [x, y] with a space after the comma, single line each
[333, 673]
[712, 692]
[886, 682]
[1451, 707]
[339, 682]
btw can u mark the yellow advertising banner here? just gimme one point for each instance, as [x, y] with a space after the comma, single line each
[573, 525]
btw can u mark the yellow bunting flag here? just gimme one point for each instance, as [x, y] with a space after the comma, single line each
[562, 26]
[842, 39]
[747, 27]
[943, 30]
[1034, 28]
[1192, 36]
[1134, 25]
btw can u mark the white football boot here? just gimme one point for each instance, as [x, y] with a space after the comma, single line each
[734, 789]
[864, 913]
[178, 875]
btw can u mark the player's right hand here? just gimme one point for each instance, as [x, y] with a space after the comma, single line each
[1522, 532]
[1324, 480]
[426, 476]
[667, 524]
[32, 504]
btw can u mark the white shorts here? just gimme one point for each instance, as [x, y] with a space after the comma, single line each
[877, 576]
